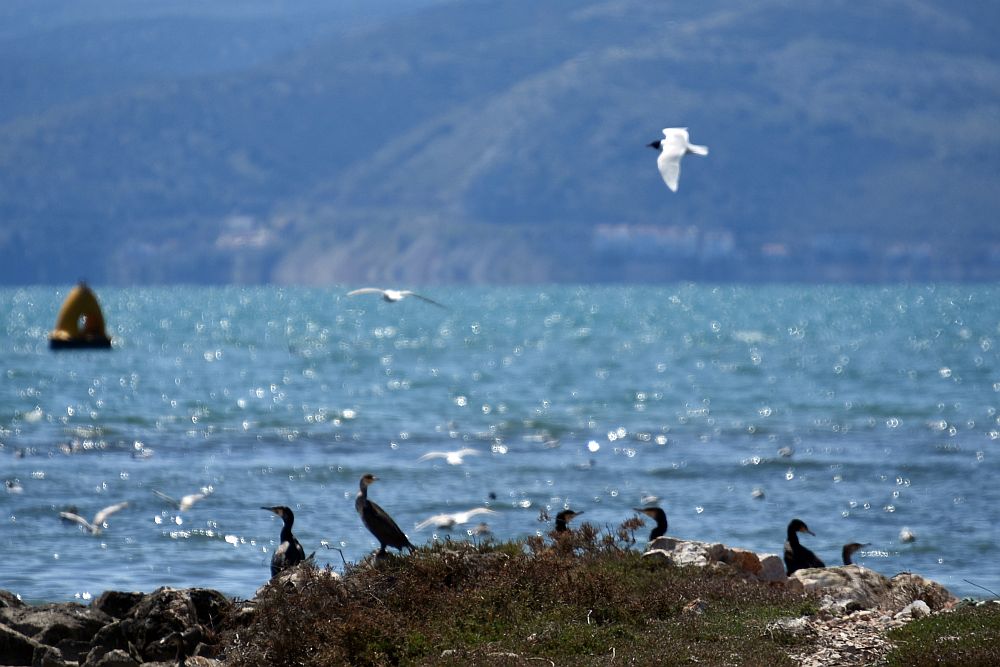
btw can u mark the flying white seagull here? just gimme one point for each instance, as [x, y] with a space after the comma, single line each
[454, 458]
[185, 502]
[393, 295]
[673, 147]
[452, 520]
[99, 519]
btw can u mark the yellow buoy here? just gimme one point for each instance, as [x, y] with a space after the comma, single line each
[80, 324]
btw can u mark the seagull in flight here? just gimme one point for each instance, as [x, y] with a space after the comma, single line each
[449, 521]
[185, 502]
[454, 458]
[673, 147]
[100, 518]
[393, 295]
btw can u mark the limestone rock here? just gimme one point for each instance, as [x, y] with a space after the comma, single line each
[848, 586]
[907, 587]
[851, 587]
[916, 609]
[765, 567]
[772, 568]
[793, 627]
[683, 552]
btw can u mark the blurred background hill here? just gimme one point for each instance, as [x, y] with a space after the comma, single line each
[496, 142]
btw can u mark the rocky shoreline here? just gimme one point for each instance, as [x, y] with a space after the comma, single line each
[117, 629]
[182, 626]
[858, 606]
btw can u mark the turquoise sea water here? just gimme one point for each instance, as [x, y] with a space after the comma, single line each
[861, 410]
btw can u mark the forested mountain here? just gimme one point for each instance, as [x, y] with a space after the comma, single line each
[498, 141]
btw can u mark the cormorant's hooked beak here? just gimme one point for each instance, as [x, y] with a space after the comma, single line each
[803, 529]
[655, 144]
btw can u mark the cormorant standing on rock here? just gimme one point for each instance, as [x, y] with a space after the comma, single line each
[797, 557]
[378, 522]
[849, 550]
[563, 518]
[657, 514]
[289, 552]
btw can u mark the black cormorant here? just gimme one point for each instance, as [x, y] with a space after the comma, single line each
[289, 553]
[659, 516]
[797, 557]
[379, 522]
[849, 550]
[563, 518]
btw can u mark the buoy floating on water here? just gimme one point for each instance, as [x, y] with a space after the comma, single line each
[80, 323]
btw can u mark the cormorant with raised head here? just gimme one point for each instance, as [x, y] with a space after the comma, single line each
[379, 522]
[849, 550]
[657, 514]
[289, 552]
[797, 557]
[564, 518]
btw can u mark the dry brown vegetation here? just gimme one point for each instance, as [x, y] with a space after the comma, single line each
[580, 598]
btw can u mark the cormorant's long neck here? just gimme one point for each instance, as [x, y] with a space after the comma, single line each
[561, 526]
[286, 530]
[661, 526]
[793, 538]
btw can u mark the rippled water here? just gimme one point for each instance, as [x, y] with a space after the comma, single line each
[860, 410]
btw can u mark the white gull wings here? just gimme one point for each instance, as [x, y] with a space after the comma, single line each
[673, 147]
[186, 502]
[393, 295]
[454, 458]
[99, 519]
[455, 519]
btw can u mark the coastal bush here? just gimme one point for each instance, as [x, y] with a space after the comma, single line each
[582, 597]
[969, 635]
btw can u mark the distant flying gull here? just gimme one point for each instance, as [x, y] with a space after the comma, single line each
[452, 520]
[673, 147]
[187, 501]
[393, 295]
[454, 458]
[99, 519]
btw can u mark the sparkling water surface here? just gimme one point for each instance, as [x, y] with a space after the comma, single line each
[861, 410]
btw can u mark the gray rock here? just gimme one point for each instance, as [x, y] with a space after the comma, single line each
[765, 567]
[916, 609]
[851, 587]
[793, 627]
[47, 656]
[772, 568]
[16, 648]
[117, 604]
[169, 610]
[51, 624]
[8, 599]
[907, 587]
[116, 658]
[846, 587]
